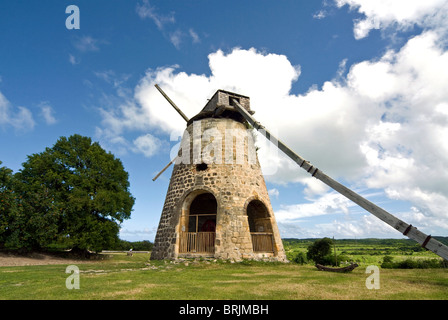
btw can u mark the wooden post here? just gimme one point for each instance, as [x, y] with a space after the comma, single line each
[335, 257]
[408, 230]
[163, 170]
[172, 103]
[182, 115]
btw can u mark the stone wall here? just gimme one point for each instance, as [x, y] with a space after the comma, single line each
[229, 171]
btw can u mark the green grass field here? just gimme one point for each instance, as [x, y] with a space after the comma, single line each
[122, 277]
[368, 251]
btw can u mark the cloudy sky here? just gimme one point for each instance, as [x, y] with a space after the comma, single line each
[357, 87]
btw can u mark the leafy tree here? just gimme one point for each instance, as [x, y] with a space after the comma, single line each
[388, 259]
[13, 233]
[300, 258]
[5, 201]
[74, 193]
[144, 245]
[319, 250]
[8, 205]
[125, 245]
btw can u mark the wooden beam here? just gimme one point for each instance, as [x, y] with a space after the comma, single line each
[406, 229]
[163, 170]
[172, 103]
[182, 115]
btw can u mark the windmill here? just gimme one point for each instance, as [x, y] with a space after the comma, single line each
[426, 241]
[217, 204]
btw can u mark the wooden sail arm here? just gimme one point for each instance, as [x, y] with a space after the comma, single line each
[406, 229]
[163, 170]
[181, 114]
[172, 103]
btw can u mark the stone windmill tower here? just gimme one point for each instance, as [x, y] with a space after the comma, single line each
[217, 204]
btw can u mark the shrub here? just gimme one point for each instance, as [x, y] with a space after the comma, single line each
[413, 264]
[329, 260]
[407, 264]
[444, 263]
[319, 250]
[343, 258]
[430, 263]
[300, 258]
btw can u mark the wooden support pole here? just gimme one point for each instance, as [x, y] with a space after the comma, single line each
[182, 115]
[163, 170]
[172, 103]
[406, 229]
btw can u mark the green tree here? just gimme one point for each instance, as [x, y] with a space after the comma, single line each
[318, 250]
[300, 258]
[74, 193]
[8, 205]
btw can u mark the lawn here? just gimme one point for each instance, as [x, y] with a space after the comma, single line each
[121, 277]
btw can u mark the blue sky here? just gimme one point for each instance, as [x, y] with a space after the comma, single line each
[356, 87]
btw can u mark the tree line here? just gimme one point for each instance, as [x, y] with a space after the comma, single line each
[73, 195]
[124, 245]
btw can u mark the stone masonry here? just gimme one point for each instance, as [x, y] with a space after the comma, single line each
[218, 157]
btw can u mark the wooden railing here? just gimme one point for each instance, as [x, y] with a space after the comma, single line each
[262, 242]
[197, 242]
[204, 242]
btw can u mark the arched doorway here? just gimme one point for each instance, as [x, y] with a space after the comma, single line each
[198, 232]
[260, 227]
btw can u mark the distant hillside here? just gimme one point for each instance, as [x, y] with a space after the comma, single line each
[365, 241]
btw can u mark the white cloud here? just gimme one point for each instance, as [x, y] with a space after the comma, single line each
[147, 144]
[117, 81]
[366, 226]
[145, 10]
[330, 126]
[72, 59]
[194, 36]
[166, 24]
[86, 43]
[407, 152]
[138, 235]
[176, 38]
[46, 111]
[329, 203]
[320, 14]
[111, 140]
[126, 117]
[273, 193]
[122, 116]
[361, 227]
[19, 118]
[417, 217]
[397, 14]
[383, 125]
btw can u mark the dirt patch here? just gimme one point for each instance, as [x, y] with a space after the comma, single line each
[32, 259]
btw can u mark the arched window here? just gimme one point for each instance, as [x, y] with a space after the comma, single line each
[198, 229]
[258, 217]
[260, 227]
[202, 215]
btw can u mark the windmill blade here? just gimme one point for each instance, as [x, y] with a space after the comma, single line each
[426, 241]
[163, 170]
[182, 115]
[172, 103]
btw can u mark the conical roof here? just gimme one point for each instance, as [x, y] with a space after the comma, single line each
[221, 106]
